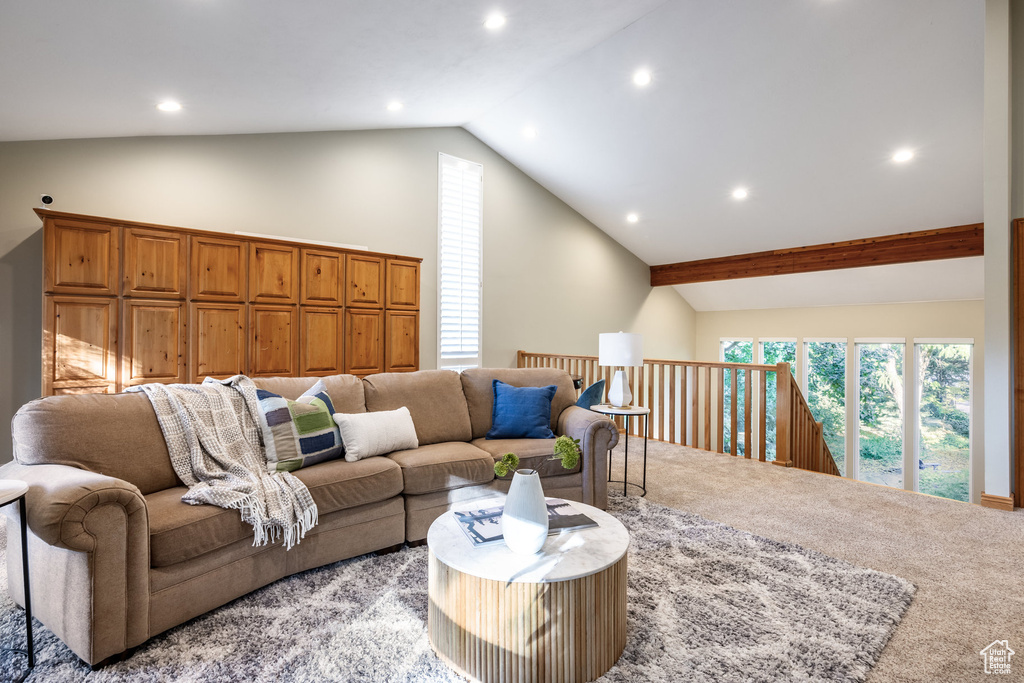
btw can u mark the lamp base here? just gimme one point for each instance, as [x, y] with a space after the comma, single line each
[619, 394]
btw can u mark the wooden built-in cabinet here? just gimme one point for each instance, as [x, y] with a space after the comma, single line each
[364, 341]
[323, 276]
[403, 278]
[274, 334]
[79, 344]
[321, 341]
[80, 258]
[127, 303]
[219, 268]
[273, 274]
[364, 281]
[402, 341]
[155, 264]
[153, 341]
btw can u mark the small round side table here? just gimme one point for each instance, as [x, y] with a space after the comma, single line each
[13, 491]
[628, 412]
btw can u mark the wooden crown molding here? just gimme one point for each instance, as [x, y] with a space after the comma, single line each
[908, 247]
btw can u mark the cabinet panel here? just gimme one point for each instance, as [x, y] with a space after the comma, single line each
[79, 344]
[321, 346]
[80, 257]
[273, 273]
[402, 341]
[364, 341]
[216, 340]
[364, 277]
[154, 264]
[403, 284]
[323, 273]
[154, 337]
[274, 333]
[218, 269]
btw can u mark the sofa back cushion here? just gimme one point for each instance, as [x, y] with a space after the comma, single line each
[434, 399]
[477, 386]
[346, 391]
[112, 434]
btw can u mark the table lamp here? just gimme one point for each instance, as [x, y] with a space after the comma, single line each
[620, 350]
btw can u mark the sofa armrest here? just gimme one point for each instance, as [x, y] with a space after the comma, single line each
[597, 435]
[88, 549]
[60, 499]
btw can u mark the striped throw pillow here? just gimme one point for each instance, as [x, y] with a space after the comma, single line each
[299, 433]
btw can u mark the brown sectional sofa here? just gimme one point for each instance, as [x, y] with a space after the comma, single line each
[117, 558]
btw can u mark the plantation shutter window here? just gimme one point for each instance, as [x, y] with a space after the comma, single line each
[460, 244]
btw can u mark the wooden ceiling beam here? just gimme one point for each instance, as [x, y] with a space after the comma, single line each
[908, 247]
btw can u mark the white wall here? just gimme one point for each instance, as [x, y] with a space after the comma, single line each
[945, 320]
[552, 280]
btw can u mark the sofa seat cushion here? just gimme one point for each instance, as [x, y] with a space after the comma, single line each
[180, 532]
[443, 466]
[534, 454]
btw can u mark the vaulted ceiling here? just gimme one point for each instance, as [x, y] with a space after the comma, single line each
[800, 102]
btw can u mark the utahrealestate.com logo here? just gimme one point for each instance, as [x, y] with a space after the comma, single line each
[997, 657]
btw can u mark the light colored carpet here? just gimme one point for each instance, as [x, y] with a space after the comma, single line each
[706, 603]
[966, 561]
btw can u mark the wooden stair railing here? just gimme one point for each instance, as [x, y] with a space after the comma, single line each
[718, 407]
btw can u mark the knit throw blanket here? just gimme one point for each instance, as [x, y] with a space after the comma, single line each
[213, 436]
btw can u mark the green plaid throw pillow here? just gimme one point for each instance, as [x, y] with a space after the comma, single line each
[299, 433]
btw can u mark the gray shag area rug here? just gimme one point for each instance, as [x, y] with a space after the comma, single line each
[706, 603]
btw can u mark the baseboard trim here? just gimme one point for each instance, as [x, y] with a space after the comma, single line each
[989, 500]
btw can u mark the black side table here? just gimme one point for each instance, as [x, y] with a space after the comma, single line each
[12, 491]
[627, 412]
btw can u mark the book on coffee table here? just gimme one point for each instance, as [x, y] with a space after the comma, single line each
[483, 526]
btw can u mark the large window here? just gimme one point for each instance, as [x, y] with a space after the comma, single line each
[944, 418]
[881, 406]
[773, 352]
[460, 244]
[825, 377]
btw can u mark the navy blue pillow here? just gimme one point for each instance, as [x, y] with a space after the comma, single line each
[592, 395]
[521, 412]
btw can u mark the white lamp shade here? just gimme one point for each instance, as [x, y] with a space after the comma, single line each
[620, 349]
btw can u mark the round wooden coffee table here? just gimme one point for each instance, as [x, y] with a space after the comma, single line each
[559, 615]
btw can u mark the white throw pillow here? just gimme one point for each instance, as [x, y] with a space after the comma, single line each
[379, 433]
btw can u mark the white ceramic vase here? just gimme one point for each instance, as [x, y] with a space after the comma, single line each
[524, 523]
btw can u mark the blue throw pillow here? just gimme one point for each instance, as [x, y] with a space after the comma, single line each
[521, 412]
[592, 395]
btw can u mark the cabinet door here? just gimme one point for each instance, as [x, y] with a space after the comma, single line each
[216, 340]
[79, 344]
[275, 341]
[321, 346]
[80, 257]
[403, 284]
[154, 264]
[273, 274]
[153, 342]
[218, 269]
[402, 341]
[364, 276]
[364, 341]
[323, 273]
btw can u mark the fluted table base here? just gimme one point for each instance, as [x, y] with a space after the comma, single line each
[568, 631]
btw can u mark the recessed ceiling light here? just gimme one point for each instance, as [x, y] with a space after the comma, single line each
[529, 132]
[642, 78]
[169, 105]
[632, 218]
[903, 155]
[739, 193]
[394, 106]
[494, 21]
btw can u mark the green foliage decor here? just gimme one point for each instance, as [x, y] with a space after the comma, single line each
[567, 451]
